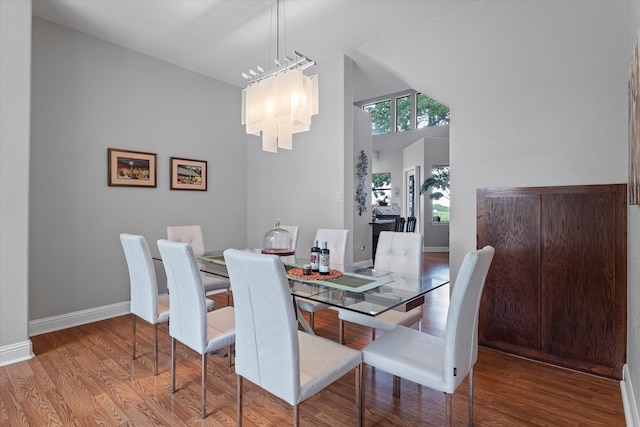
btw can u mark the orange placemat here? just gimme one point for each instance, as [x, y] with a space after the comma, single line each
[298, 274]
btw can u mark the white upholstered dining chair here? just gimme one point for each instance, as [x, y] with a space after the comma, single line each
[337, 240]
[294, 230]
[193, 235]
[270, 350]
[145, 301]
[400, 253]
[191, 324]
[440, 363]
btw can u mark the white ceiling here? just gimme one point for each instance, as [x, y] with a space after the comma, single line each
[223, 38]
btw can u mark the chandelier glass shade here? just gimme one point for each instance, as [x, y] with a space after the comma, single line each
[279, 106]
[278, 103]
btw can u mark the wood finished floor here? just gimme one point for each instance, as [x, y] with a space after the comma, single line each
[84, 376]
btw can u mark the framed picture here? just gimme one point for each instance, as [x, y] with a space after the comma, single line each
[131, 168]
[634, 128]
[188, 174]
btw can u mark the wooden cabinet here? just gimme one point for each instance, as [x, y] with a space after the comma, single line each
[556, 291]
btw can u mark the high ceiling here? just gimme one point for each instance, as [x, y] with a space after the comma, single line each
[223, 38]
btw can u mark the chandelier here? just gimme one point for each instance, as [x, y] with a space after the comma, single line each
[280, 102]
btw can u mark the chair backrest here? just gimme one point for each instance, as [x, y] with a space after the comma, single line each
[267, 352]
[461, 332]
[187, 305]
[399, 252]
[336, 243]
[191, 234]
[411, 224]
[399, 225]
[293, 229]
[142, 277]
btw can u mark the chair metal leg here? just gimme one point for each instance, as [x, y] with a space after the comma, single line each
[296, 416]
[341, 332]
[173, 365]
[229, 355]
[228, 295]
[239, 401]
[311, 320]
[373, 334]
[396, 386]
[360, 395]
[133, 335]
[203, 389]
[470, 376]
[155, 349]
[449, 403]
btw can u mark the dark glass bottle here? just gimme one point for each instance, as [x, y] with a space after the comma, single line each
[315, 257]
[324, 259]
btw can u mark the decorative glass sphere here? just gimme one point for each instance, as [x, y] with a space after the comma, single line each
[277, 241]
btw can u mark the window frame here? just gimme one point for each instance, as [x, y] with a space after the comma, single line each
[393, 98]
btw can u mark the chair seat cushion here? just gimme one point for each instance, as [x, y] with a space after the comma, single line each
[409, 354]
[213, 283]
[323, 361]
[163, 308]
[309, 306]
[221, 330]
[385, 321]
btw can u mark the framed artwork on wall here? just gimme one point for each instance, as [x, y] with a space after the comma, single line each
[188, 174]
[131, 168]
[634, 129]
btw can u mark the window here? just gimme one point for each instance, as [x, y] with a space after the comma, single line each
[403, 113]
[439, 194]
[381, 188]
[430, 112]
[380, 116]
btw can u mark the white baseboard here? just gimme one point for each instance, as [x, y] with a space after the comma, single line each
[14, 353]
[435, 249]
[82, 317]
[628, 399]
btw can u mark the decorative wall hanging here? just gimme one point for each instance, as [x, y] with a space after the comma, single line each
[188, 174]
[361, 174]
[131, 168]
[634, 129]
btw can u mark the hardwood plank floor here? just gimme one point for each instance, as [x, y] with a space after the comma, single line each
[84, 376]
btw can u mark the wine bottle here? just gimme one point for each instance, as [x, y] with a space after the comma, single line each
[324, 259]
[315, 257]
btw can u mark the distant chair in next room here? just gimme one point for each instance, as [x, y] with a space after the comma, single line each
[193, 235]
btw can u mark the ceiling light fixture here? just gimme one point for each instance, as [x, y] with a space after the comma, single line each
[281, 101]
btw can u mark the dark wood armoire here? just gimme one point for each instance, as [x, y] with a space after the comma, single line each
[557, 288]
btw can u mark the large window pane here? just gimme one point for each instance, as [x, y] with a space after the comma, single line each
[440, 193]
[403, 113]
[381, 187]
[430, 112]
[380, 116]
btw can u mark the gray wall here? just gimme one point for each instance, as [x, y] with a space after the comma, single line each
[15, 85]
[300, 186]
[89, 95]
[362, 230]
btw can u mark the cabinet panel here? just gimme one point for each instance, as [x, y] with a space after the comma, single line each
[510, 308]
[556, 291]
[578, 267]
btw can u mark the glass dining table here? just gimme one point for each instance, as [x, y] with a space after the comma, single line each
[364, 290]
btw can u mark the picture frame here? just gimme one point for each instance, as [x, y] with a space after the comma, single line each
[188, 174]
[128, 168]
